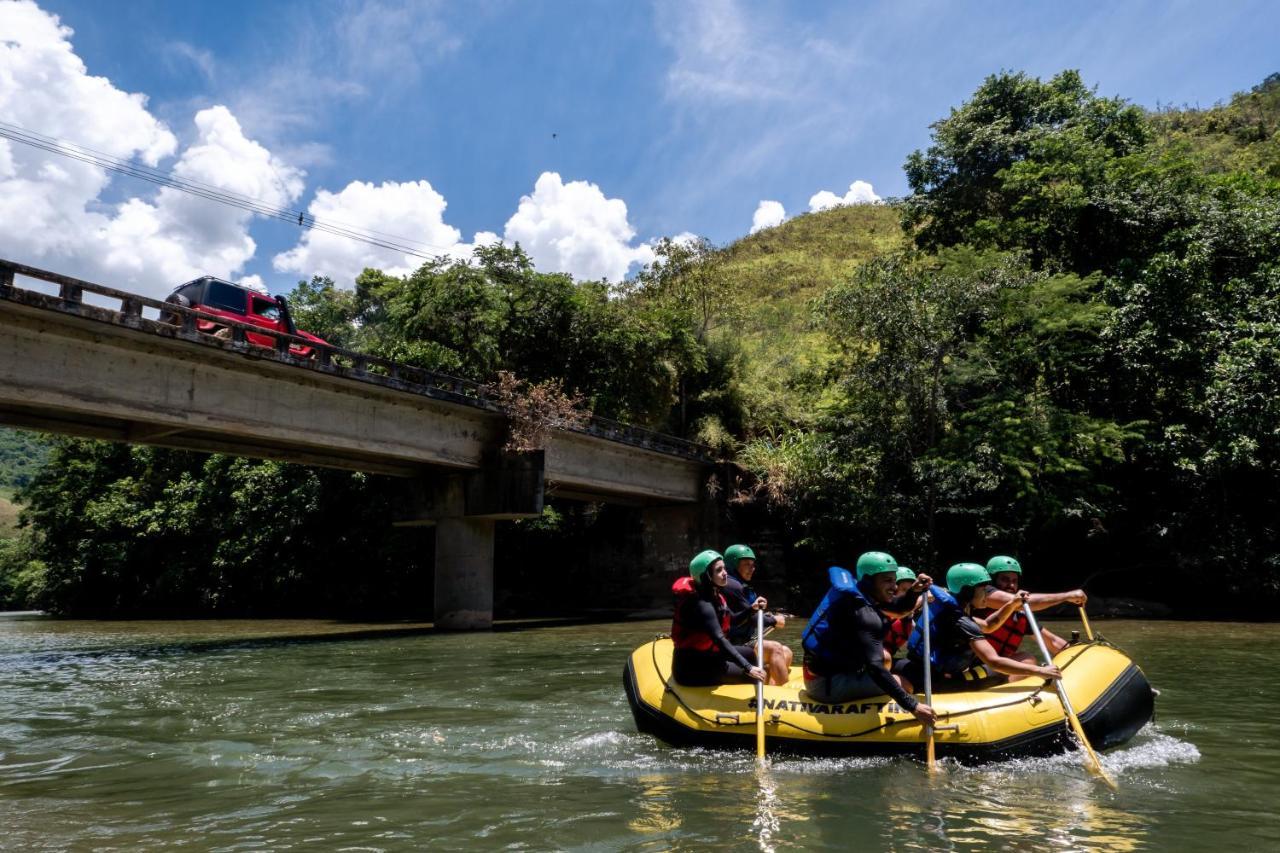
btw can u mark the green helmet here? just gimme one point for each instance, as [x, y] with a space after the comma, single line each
[698, 565]
[875, 563]
[962, 575]
[905, 574]
[735, 554]
[996, 565]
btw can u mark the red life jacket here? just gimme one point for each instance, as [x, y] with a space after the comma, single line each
[1008, 638]
[896, 633]
[689, 636]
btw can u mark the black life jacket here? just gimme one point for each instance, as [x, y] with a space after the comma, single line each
[686, 636]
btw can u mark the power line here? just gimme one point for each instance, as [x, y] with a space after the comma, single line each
[84, 154]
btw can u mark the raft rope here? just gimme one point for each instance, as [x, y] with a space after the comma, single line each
[669, 685]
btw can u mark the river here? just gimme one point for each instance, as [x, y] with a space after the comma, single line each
[294, 735]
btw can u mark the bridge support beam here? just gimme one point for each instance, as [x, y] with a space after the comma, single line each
[464, 574]
[465, 510]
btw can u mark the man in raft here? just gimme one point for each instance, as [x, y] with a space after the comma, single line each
[703, 653]
[1006, 575]
[844, 641]
[743, 601]
[962, 656]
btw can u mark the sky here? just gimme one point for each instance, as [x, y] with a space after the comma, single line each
[585, 131]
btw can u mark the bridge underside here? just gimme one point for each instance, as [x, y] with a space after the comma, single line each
[90, 374]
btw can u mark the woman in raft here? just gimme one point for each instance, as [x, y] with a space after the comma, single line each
[703, 653]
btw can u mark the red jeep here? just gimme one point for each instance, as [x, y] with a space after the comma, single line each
[246, 305]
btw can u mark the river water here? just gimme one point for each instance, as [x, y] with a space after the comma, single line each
[293, 736]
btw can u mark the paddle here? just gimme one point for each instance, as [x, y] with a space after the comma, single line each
[1091, 757]
[1084, 617]
[928, 685]
[760, 686]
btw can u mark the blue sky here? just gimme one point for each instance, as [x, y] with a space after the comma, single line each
[689, 113]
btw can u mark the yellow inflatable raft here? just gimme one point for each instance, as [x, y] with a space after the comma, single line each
[1022, 718]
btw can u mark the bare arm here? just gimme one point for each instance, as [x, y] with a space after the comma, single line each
[1008, 666]
[993, 622]
[1039, 600]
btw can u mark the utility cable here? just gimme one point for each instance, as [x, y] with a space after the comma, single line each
[190, 186]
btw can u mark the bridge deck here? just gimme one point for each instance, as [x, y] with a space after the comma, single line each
[73, 367]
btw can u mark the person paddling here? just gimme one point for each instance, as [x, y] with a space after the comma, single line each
[703, 654]
[844, 640]
[744, 604]
[898, 630]
[962, 657]
[1006, 576]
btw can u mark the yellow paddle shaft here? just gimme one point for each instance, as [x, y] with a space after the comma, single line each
[760, 685]
[1084, 618]
[1091, 757]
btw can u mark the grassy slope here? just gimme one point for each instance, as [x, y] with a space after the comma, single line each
[778, 272]
[8, 514]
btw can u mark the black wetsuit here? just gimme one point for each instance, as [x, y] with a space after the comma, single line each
[742, 619]
[957, 667]
[859, 646]
[725, 662]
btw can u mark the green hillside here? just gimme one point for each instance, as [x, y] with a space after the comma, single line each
[21, 455]
[8, 514]
[1240, 136]
[777, 273]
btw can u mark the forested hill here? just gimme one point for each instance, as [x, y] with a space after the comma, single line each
[21, 455]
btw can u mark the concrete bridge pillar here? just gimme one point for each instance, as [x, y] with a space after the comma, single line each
[464, 574]
[465, 509]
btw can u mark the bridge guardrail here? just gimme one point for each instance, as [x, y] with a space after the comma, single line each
[329, 359]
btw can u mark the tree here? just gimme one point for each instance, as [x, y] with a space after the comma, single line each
[1017, 165]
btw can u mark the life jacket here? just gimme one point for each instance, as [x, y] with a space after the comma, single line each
[897, 634]
[943, 602]
[686, 636]
[746, 587]
[823, 638]
[1008, 637]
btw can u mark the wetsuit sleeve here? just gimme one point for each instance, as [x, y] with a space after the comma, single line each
[869, 631]
[710, 622]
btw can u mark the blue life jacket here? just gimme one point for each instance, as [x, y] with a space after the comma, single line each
[825, 638]
[751, 593]
[943, 602]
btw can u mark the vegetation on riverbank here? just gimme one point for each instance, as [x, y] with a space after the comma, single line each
[1064, 343]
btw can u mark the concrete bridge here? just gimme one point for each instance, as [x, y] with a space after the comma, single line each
[84, 359]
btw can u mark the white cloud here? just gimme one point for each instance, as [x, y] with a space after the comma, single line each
[860, 192]
[574, 228]
[767, 215]
[410, 214]
[52, 206]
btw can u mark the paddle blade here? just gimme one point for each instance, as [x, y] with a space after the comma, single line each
[1091, 758]
[929, 754]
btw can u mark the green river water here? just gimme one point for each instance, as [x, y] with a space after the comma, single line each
[289, 736]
